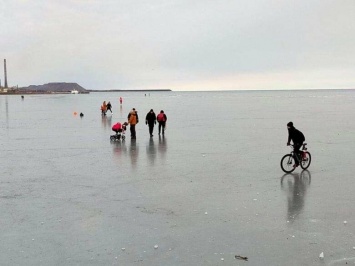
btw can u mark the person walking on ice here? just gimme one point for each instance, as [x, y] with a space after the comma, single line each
[103, 108]
[109, 107]
[133, 120]
[161, 118]
[150, 120]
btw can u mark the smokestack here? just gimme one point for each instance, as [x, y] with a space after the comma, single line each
[5, 73]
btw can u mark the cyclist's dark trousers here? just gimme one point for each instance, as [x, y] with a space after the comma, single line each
[296, 149]
[151, 127]
[132, 128]
[161, 125]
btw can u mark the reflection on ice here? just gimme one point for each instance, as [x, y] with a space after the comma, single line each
[7, 112]
[151, 151]
[119, 148]
[295, 185]
[133, 152]
[106, 121]
[162, 145]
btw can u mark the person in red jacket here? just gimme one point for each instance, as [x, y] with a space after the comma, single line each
[161, 118]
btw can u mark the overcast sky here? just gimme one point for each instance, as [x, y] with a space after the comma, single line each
[180, 44]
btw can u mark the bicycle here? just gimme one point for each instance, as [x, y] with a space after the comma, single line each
[287, 162]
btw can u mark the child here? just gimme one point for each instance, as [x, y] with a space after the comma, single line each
[109, 106]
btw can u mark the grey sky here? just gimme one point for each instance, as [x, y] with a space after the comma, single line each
[181, 45]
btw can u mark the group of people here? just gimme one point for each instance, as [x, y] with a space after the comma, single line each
[105, 107]
[151, 119]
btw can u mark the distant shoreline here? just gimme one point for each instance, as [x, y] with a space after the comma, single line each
[37, 92]
[127, 90]
[21, 92]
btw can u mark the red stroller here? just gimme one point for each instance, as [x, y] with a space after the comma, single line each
[120, 131]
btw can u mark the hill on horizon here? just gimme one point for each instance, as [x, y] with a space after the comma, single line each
[55, 87]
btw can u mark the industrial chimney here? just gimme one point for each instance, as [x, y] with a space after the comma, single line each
[5, 74]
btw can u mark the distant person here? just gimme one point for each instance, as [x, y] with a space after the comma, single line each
[81, 114]
[161, 118]
[150, 120]
[109, 106]
[104, 108]
[297, 138]
[121, 100]
[133, 120]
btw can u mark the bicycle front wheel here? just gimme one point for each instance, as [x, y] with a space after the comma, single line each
[287, 163]
[306, 160]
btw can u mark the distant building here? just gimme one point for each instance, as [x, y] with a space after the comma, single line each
[5, 74]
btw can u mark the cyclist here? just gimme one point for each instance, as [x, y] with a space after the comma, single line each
[297, 138]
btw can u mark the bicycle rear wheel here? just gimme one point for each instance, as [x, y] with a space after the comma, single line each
[306, 160]
[287, 163]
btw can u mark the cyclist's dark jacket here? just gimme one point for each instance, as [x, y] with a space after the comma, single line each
[295, 135]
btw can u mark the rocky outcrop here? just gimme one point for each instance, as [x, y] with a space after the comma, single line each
[55, 87]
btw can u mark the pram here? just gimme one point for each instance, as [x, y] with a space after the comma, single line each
[120, 132]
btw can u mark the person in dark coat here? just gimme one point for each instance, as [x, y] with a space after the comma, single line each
[297, 138]
[151, 120]
[109, 107]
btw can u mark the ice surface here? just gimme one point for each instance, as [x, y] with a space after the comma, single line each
[70, 197]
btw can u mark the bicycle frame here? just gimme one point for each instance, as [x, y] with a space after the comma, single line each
[304, 148]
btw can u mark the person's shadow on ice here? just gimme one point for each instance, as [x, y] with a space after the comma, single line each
[296, 186]
[162, 147]
[151, 151]
[133, 152]
[119, 148]
[106, 121]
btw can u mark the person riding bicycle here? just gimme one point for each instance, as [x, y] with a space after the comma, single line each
[297, 138]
